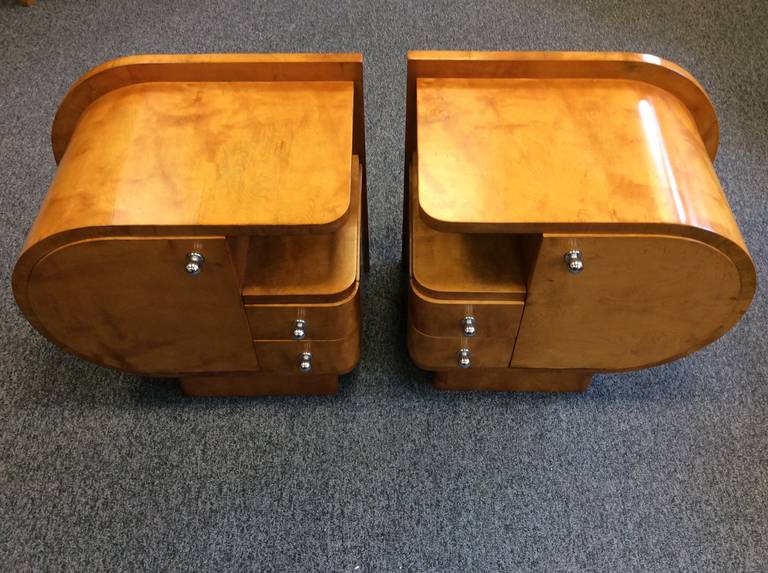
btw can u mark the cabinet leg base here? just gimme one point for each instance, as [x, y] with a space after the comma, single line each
[513, 380]
[259, 384]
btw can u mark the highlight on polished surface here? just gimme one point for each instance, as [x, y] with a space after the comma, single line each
[187, 188]
[568, 203]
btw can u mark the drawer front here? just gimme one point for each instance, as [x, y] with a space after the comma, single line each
[326, 356]
[433, 352]
[449, 319]
[320, 321]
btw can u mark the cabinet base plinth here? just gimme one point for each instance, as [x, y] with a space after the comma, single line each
[259, 384]
[513, 380]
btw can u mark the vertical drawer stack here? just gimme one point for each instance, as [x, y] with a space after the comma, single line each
[301, 295]
[466, 294]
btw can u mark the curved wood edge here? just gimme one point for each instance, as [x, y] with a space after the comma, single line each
[734, 252]
[640, 67]
[128, 70]
[746, 270]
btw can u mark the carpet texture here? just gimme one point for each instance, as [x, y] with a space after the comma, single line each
[663, 469]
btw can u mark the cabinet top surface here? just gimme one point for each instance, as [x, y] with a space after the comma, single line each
[273, 154]
[516, 152]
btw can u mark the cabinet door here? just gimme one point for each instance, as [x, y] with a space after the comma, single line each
[638, 300]
[130, 303]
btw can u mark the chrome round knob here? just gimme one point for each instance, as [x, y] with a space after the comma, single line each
[194, 263]
[573, 261]
[299, 329]
[468, 326]
[464, 361]
[305, 361]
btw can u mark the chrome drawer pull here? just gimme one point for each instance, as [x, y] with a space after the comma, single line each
[299, 329]
[194, 263]
[464, 361]
[305, 361]
[573, 261]
[468, 326]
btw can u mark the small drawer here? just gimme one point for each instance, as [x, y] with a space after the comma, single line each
[446, 318]
[433, 352]
[325, 356]
[321, 321]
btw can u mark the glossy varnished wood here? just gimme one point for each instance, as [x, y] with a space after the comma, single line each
[307, 268]
[562, 151]
[450, 265]
[640, 300]
[324, 321]
[268, 155]
[441, 352]
[127, 303]
[440, 316]
[163, 155]
[608, 153]
[328, 356]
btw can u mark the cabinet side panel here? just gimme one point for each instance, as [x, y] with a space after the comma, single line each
[639, 301]
[129, 304]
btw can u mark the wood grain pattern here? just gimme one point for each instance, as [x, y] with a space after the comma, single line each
[328, 356]
[513, 380]
[441, 352]
[162, 155]
[272, 155]
[440, 317]
[55, 227]
[451, 265]
[258, 384]
[609, 153]
[324, 321]
[128, 303]
[550, 152]
[640, 301]
[307, 268]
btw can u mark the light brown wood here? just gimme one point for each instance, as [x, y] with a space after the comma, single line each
[441, 352]
[255, 161]
[324, 321]
[307, 268]
[607, 153]
[464, 265]
[127, 303]
[268, 155]
[439, 317]
[640, 300]
[513, 380]
[328, 356]
[257, 384]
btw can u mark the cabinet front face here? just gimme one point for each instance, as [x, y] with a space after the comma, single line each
[621, 302]
[145, 305]
[449, 352]
[470, 318]
[314, 356]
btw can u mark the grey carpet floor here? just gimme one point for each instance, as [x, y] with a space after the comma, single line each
[663, 469]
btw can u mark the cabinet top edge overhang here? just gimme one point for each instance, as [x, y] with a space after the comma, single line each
[233, 142]
[533, 141]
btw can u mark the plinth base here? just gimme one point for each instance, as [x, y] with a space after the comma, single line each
[259, 384]
[513, 380]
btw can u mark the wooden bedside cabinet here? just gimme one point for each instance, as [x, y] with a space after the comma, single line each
[206, 221]
[563, 217]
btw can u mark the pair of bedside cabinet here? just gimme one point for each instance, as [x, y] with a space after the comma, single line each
[208, 220]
